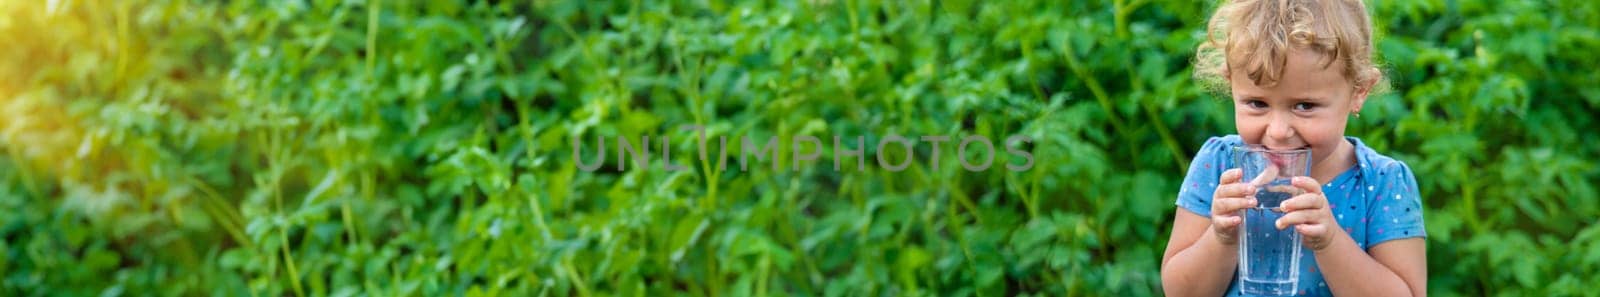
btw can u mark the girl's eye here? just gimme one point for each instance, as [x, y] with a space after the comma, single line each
[1255, 104]
[1304, 106]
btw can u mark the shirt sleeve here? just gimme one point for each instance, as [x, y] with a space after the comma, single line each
[1201, 181]
[1396, 210]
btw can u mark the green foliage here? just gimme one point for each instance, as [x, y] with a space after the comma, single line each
[425, 147]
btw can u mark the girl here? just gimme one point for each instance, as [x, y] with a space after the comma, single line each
[1296, 70]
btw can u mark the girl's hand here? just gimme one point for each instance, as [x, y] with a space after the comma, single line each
[1309, 214]
[1231, 196]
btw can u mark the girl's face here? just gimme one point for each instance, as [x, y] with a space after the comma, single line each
[1308, 108]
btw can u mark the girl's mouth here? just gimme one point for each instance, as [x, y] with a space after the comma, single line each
[1278, 160]
[1282, 161]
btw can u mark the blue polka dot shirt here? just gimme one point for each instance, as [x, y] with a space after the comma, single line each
[1375, 201]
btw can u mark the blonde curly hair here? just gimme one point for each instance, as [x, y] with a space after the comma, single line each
[1256, 37]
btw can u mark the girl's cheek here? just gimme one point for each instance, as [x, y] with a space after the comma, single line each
[1249, 129]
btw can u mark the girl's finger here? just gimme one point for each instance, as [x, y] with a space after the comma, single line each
[1308, 184]
[1227, 222]
[1297, 218]
[1228, 206]
[1266, 176]
[1230, 176]
[1304, 202]
[1314, 231]
[1218, 214]
[1233, 190]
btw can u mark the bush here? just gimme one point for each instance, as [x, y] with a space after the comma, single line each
[425, 148]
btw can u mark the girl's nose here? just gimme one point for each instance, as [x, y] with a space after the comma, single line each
[1280, 130]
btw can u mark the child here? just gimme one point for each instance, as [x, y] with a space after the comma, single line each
[1296, 70]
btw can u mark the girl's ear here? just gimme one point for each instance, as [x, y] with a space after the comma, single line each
[1360, 98]
[1364, 89]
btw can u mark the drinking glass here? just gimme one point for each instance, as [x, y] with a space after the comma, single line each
[1269, 259]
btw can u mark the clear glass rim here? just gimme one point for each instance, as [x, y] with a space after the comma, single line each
[1264, 149]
